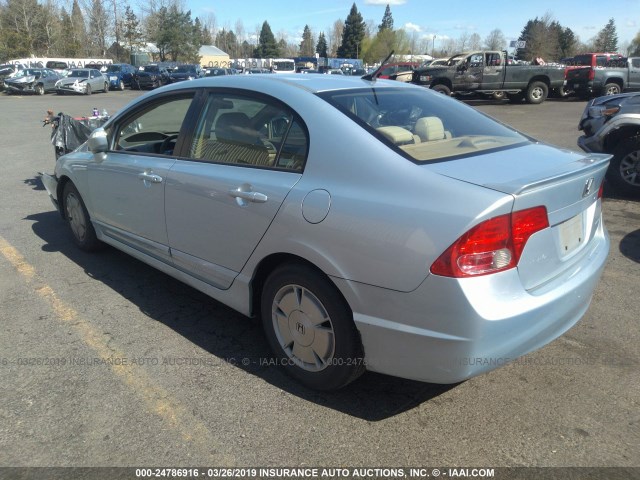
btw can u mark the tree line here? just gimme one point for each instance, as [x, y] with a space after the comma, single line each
[111, 29]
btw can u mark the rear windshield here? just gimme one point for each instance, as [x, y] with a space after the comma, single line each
[421, 124]
[114, 68]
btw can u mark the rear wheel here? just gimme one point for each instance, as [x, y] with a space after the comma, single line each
[624, 171]
[77, 217]
[537, 93]
[310, 328]
[442, 89]
[39, 89]
[611, 89]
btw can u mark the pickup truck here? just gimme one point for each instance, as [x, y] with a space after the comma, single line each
[487, 72]
[618, 76]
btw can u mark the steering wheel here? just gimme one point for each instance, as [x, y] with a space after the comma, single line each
[164, 146]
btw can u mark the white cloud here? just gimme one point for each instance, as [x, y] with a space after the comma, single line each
[631, 23]
[412, 27]
[385, 2]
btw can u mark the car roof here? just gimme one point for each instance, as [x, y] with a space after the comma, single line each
[311, 83]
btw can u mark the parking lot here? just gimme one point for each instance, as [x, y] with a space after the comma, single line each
[105, 361]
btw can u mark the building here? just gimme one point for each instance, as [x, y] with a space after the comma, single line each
[211, 56]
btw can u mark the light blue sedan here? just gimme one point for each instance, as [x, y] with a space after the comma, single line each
[370, 224]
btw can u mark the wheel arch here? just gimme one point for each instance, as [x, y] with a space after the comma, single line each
[540, 78]
[442, 81]
[626, 132]
[274, 261]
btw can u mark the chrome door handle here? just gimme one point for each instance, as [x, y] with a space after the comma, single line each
[150, 177]
[253, 197]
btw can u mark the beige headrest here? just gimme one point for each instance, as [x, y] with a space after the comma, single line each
[429, 129]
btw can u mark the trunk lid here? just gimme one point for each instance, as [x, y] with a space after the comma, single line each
[566, 183]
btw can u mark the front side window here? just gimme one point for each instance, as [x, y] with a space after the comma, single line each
[246, 131]
[420, 124]
[155, 129]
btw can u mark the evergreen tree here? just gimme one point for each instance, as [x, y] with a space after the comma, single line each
[321, 46]
[306, 46]
[387, 20]
[607, 38]
[131, 30]
[267, 46]
[78, 29]
[352, 35]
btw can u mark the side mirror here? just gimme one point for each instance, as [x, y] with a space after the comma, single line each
[98, 142]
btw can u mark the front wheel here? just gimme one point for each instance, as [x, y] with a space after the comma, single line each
[537, 93]
[443, 89]
[87, 90]
[611, 89]
[624, 170]
[121, 86]
[310, 328]
[106, 87]
[77, 217]
[39, 89]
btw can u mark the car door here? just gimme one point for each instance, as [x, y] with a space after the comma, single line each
[223, 193]
[472, 77]
[127, 187]
[492, 72]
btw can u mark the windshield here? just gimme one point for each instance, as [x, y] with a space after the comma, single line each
[185, 69]
[114, 68]
[27, 72]
[151, 69]
[79, 74]
[420, 124]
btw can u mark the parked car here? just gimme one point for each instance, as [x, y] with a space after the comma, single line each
[396, 68]
[217, 71]
[120, 75]
[611, 124]
[366, 257]
[57, 65]
[185, 72]
[8, 70]
[82, 81]
[32, 80]
[151, 76]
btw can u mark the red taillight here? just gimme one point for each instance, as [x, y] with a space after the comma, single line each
[601, 189]
[492, 246]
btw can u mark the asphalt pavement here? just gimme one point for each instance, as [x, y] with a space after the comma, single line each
[105, 361]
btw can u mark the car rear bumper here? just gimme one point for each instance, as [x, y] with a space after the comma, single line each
[449, 330]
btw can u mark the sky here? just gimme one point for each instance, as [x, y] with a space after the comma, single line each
[426, 17]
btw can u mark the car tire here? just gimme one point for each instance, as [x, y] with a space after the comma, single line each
[443, 89]
[537, 93]
[611, 89]
[78, 220]
[121, 86]
[310, 328]
[624, 170]
[39, 89]
[498, 95]
[106, 87]
[88, 90]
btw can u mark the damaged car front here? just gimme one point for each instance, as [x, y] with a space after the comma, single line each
[32, 80]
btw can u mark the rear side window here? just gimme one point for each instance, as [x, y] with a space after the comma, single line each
[421, 124]
[246, 131]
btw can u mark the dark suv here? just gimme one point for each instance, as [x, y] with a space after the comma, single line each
[611, 124]
[120, 75]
